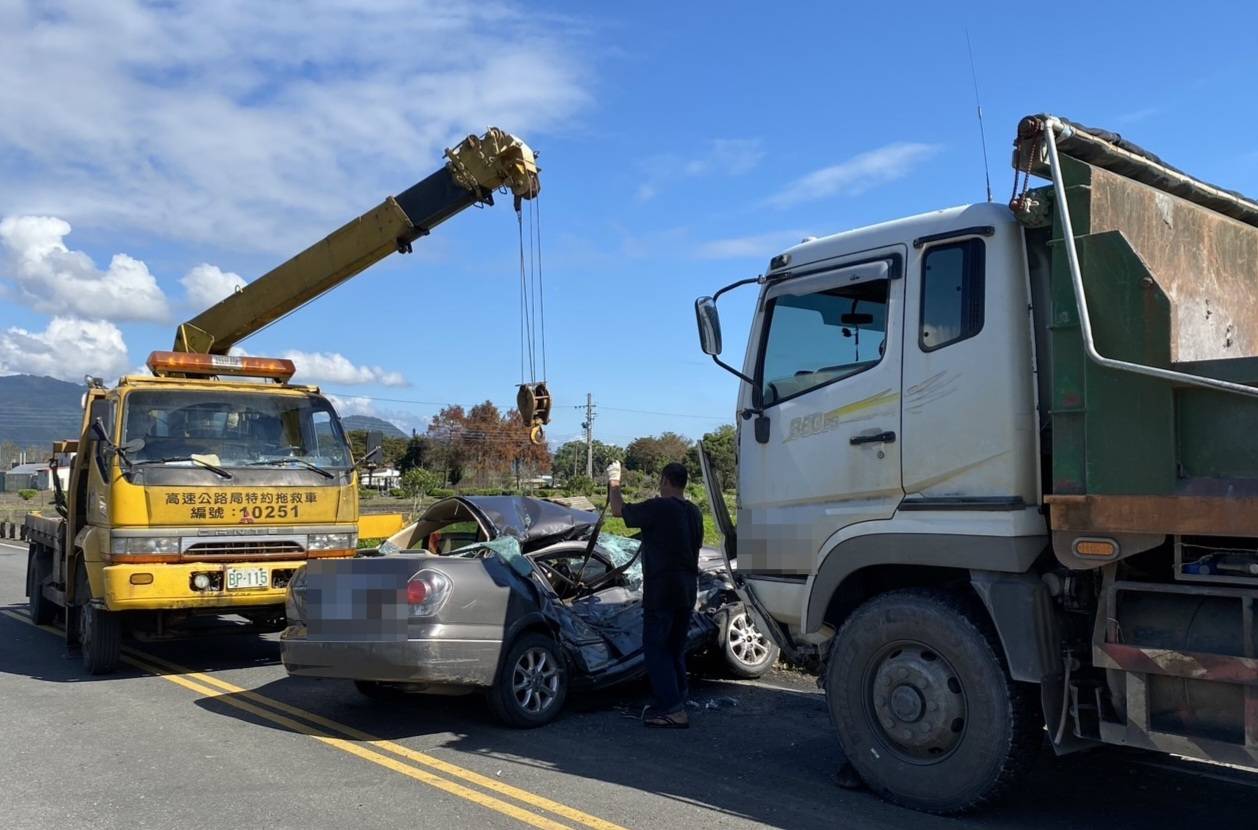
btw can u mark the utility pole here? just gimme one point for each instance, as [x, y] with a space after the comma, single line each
[589, 435]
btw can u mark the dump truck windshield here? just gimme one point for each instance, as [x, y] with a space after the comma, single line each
[240, 429]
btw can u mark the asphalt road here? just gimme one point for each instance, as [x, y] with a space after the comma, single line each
[211, 733]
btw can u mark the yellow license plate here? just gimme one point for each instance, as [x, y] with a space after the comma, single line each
[247, 578]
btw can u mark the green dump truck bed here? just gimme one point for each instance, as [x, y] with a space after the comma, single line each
[1169, 267]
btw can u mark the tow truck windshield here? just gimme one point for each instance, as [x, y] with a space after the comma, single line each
[234, 429]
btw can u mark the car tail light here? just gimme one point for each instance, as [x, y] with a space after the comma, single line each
[426, 592]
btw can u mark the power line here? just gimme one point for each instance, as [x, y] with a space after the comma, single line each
[344, 393]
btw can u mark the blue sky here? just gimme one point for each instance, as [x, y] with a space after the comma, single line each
[150, 152]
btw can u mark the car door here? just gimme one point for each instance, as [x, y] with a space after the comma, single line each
[828, 373]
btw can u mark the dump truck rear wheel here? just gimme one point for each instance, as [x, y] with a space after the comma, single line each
[924, 707]
[43, 611]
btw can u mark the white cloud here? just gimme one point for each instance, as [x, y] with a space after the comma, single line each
[351, 406]
[334, 367]
[727, 157]
[53, 279]
[856, 175]
[262, 125]
[753, 246]
[207, 284]
[68, 349]
[722, 157]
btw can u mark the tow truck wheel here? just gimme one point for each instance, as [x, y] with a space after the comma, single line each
[42, 610]
[100, 634]
[924, 708]
[532, 683]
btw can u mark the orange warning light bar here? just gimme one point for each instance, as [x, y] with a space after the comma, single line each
[190, 363]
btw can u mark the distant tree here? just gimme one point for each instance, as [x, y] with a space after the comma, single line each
[650, 453]
[417, 482]
[418, 452]
[569, 459]
[581, 485]
[485, 442]
[722, 448]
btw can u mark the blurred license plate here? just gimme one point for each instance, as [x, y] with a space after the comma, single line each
[247, 578]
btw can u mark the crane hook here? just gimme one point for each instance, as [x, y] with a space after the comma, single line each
[533, 403]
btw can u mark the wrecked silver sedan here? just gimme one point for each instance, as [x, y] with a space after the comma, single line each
[519, 597]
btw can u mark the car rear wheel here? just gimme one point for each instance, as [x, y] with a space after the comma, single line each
[532, 683]
[747, 652]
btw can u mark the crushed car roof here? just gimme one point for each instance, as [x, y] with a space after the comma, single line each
[530, 520]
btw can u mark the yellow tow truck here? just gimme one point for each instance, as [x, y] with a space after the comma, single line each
[201, 489]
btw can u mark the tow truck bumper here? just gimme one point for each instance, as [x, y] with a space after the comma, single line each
[166, 587]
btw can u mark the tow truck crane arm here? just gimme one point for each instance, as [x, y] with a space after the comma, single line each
[475, 168]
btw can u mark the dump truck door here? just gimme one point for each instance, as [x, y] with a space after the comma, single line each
[827, 373]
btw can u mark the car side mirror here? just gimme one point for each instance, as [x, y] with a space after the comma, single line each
[709, 322]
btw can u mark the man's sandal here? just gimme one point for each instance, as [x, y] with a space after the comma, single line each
[672, 720]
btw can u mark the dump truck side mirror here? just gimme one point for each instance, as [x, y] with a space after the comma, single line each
[709, 322]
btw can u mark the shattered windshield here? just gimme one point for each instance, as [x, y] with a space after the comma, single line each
[620, 550]
[233, 429]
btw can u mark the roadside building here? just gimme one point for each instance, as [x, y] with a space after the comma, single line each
[381, 478]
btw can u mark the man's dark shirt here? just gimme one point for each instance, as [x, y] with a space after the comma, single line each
[672, 531]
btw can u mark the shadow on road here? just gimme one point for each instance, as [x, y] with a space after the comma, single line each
[763, 754]
[51, 660]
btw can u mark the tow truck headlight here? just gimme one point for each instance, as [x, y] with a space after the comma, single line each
[332, 541]
[143, 545]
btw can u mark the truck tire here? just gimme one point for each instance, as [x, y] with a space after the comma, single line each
[100, 633]
[925, 709]
[39, 567]
[532, 683]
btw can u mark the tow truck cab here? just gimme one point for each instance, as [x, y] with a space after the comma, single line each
[194, 494]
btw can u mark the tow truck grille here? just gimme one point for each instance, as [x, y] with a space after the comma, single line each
[241, 551]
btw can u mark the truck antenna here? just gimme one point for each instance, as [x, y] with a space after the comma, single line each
[978, 106]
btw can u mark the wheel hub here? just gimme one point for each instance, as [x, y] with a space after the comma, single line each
[907, 704]
[919, 705]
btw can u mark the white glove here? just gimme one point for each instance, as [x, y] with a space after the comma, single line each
[613, 472]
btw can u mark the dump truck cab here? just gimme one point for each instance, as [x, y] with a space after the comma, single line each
[869, 351]
[997, 472]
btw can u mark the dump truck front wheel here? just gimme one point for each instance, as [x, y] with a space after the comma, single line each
[924, 707]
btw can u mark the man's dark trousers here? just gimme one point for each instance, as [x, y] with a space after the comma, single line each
[664, 633]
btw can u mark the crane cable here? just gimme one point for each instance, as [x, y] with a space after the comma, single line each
[533, 401]
[532, 296]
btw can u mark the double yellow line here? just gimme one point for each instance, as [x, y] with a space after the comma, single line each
[419, 766]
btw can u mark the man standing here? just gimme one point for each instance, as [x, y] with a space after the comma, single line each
[672, 531]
